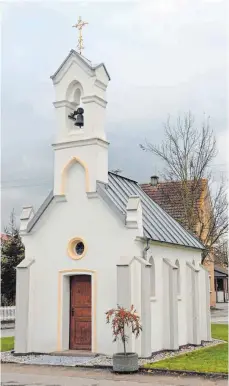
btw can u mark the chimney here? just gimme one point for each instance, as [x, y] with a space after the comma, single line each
[154, 180]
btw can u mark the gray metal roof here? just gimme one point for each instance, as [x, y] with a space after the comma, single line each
[157, 224]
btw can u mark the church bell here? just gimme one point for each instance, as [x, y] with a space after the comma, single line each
[79, 117]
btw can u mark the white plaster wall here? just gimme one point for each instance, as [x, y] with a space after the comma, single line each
[34, 309]
[182, 300]
[181, 318]
[183, 255]
[106, 238]
[94, 156]
[136, 298]
[22, 306]
[165, 310]
[101, 74]
[65, 310]
[204, 305]
[156, 303]
[189, 305]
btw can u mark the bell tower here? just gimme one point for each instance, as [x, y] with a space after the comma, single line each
[80, 91]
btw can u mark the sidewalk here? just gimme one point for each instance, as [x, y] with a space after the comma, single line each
[47, 376]
[220, 314]
[7, 329]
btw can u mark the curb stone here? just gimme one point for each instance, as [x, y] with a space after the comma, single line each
[146, 371]
[183, 372]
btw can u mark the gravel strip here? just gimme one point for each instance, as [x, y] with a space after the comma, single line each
[102, 360]
[52, 360]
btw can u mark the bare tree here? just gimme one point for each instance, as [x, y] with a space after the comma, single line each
[187, 152]
[221, 253]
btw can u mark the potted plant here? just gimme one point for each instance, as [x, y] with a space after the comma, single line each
[122, 319]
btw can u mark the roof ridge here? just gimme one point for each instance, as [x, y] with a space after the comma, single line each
[173, 182]
[126, 178]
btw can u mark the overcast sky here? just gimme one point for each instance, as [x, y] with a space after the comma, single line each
[164, 57]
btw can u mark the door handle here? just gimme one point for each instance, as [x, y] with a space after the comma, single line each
[73, 311]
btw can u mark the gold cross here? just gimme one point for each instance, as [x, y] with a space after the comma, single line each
[80, 24]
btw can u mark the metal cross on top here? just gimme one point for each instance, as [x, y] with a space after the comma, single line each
[80, 24]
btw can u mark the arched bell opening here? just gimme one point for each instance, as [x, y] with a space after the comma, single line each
[75, 113]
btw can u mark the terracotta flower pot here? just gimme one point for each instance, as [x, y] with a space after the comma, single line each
[125, 363]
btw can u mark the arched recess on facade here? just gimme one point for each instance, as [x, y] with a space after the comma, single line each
[65, 170]
[152, 277]
[178, 277]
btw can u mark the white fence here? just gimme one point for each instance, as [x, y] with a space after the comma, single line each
[7, 313]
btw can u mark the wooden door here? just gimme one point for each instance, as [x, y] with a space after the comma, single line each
[80, 312]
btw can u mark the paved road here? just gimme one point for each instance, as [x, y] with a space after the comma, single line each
[21, 375]
[220, 314]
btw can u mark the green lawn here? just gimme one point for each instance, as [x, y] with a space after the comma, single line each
[7, 344]
[220, 331]
[207, 360]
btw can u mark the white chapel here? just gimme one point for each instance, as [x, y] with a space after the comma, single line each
[98, 240]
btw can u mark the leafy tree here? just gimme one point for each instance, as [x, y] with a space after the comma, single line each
[12, 253]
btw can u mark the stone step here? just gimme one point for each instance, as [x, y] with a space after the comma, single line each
[74, 353]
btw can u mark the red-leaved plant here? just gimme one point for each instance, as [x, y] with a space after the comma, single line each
[121, 319]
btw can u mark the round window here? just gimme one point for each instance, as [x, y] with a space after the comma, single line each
[76, 248]
[79, 248]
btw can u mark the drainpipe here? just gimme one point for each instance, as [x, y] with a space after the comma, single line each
[146, 248]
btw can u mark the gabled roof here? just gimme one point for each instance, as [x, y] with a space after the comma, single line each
[167, 195]
[84, 60]
[157, 224]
